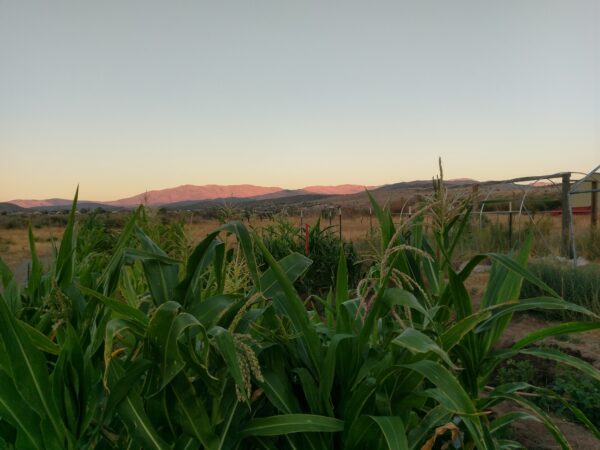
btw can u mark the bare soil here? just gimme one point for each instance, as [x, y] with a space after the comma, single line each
[534, 435]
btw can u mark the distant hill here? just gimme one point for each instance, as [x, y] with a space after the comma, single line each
[58, 204]
[284, 193]
[190, 192]
[424, 184]
[83, 204]
[290, 197]
[192, 197]
[40, 203]
[342, 189]
[10, 207]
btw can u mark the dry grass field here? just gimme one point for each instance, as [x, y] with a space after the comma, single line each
[14, 247]
[486, 232]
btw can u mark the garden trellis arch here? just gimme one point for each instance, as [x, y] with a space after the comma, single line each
[568, 245]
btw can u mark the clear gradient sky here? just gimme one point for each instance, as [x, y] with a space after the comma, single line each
[123, 96]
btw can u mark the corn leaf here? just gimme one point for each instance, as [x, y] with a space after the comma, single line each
[224, 342]
[455, 334]
[563, 358]
[280, 393]
[40, 340]
[209, 312]
[17, 412]
[563, 328]
[112, 271]
[245, 242]
[35, 276]
[65, 261]
[503, 421]
[541, 303]
[381, 432]
[292, 423]
[132, 412]
[541, 414]
[341, 293]
[120, 310]
[417, 342]
[291, 306]
[293, 265]
[193, 414]
[164, 330]
[188, 291]
[161, 271]
[28, 365]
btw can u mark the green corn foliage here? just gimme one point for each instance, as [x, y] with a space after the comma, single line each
[135, 348]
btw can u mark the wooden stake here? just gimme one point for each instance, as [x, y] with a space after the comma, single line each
[306, 240]
[594, 219]
[510, 224]
[475, 189]
[565, 243]
[340, 212]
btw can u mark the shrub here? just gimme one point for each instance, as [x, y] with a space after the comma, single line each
[283, 238]
[589, 244]
[515, 370]
[578, 390]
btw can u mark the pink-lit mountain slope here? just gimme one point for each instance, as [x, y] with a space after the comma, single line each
[191, 192]
[213, 191]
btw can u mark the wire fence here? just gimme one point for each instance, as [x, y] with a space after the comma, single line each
[504, 213]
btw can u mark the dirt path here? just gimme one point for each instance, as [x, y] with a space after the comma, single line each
[534, 435]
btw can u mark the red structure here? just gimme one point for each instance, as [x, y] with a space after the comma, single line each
[577, 211]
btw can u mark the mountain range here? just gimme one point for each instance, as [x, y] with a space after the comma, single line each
[188, 193]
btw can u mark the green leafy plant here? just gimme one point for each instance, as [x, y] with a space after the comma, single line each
[569, 386]
[515, 370]
[580, 391]
[283, 238]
